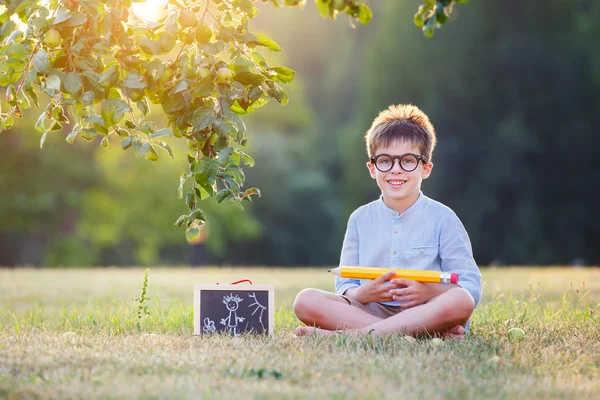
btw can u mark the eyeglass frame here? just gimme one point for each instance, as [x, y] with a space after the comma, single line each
[374, 159]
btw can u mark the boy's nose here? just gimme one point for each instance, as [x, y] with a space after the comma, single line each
[396, 166]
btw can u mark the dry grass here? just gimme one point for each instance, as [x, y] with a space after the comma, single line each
[108, 357]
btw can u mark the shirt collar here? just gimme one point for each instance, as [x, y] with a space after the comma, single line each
[394, 213]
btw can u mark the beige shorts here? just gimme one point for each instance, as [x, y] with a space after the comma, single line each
[374, 308]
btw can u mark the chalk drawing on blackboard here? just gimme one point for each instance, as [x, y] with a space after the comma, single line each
[209, 326]
[232, 303]
[257, 306]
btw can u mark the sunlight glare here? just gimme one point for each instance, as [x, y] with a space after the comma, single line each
[149, 10]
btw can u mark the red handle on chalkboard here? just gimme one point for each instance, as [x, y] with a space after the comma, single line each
[240, 281]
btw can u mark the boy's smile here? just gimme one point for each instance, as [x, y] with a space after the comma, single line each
[400, 189]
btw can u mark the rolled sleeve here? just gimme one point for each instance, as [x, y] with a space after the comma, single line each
[349, 256]
[457, 256]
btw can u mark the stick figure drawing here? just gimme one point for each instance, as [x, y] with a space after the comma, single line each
[232, 303]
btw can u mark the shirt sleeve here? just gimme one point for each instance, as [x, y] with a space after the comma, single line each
[457, 256]
[349, 256]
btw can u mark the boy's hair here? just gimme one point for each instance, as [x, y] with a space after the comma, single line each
[401, 122]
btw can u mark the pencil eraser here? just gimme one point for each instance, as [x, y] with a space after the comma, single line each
[454, 278]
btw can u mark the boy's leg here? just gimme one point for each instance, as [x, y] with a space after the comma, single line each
[330, 311]
[440, 315]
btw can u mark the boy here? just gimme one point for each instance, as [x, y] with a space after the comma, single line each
[403, 229]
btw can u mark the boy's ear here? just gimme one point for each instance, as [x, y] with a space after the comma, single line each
[427, 167]
[371, 168]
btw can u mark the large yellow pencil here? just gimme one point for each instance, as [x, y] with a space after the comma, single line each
[413, 274]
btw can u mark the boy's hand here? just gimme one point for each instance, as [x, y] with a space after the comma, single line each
[414, 292]
[375, 290]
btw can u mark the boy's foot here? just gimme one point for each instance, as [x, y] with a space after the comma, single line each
[456, 332]
[308, 330]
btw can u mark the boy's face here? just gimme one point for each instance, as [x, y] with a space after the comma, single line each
[400, 189]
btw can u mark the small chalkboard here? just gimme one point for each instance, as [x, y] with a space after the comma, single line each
[233, 309]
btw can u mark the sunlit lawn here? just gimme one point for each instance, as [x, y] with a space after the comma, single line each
[107, 356]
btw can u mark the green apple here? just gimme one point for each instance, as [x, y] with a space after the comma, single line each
[213, 138]
[515, 334]
[194, 145]
[339, 4]
[224, 75]
[71, 4]
[187, 18]
[203, 33]
[52, 38]
[203, 72]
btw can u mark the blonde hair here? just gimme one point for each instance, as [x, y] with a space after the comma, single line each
[401, 122]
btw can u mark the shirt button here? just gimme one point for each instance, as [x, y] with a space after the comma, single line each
[421, 249]
[393, 251]
[395, 230]
[394, 213]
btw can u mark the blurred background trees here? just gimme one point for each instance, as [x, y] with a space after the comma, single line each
[511, 87]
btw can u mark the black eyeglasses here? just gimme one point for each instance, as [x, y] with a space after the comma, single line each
[408, 161]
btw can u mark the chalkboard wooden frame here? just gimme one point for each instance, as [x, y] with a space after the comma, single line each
[200, 288]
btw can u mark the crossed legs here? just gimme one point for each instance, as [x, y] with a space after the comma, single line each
[325, 312]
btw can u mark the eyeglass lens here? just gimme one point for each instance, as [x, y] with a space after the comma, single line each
[408, 163]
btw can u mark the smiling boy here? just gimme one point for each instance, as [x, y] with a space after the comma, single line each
[403, 229]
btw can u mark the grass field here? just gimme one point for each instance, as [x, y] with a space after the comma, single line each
[73, 334]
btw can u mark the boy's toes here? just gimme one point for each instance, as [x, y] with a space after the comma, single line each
[456, 332]
[303, 330]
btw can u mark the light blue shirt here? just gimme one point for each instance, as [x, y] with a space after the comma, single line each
[427, 236]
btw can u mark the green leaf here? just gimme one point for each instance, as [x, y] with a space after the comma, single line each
[235, 158]
[150, 153]
[197, 215]
[143, 106]
[223, 194]
[205, 87]
[224, 155]
[135, 81]
[266, 42]
[192, 234]
[41, 62]
[39, 125]
[206, 168]
[150, 46]
[165, 146]
[181, 220]
[89, 134]
[155, 69]
[202, 118]
[236, 203]
[43, 139]
[249, 78]
[252, 191]
[109, 76]
[113, 111]
[182, 180]
[249, 161]
[53, 84]
[429, 27]
[71, 137]
[73, 83]
[180, 87]
[162, 132]
[88, 98]
[282, 74]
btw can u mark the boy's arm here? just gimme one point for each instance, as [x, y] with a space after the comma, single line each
[457, 256]
[349, 257]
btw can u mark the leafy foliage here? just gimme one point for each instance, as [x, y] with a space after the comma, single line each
[102, 68]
